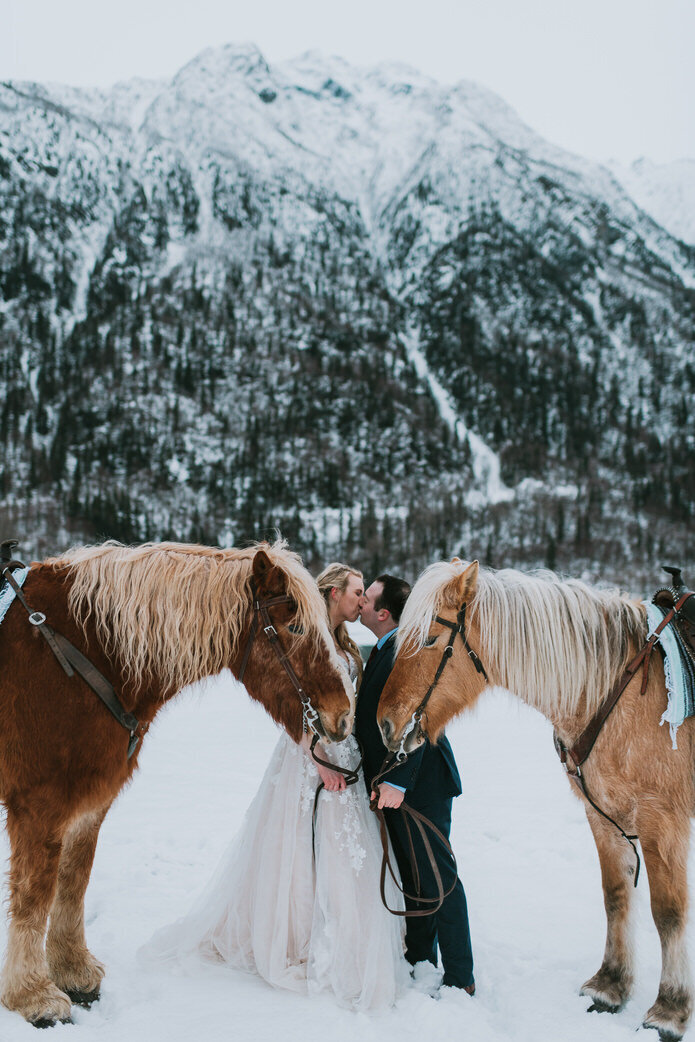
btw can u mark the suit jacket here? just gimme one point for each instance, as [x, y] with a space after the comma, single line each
[430, 773]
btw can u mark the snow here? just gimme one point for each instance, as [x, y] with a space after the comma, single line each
[666, 191]
[525, 854]
[485, 462]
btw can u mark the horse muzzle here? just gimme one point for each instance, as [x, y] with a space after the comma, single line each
[336, 730]
[393, 737]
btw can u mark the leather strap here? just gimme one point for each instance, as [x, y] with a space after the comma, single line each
[458, 627]
[350, 774]
[585, 743]
[261, 608]
[574, 756]
[423, 825]
[69, 656]
[36, 618]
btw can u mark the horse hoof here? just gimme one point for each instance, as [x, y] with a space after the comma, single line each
[49, 1022]
[602, 1007]
[83, 998]
[664, 1034]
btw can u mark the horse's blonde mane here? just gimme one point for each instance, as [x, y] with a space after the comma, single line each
[177, 610]
[558, 643]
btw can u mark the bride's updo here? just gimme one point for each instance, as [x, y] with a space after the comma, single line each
[336, 576]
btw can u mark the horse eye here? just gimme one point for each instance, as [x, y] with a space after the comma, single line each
[295, 629]
[429, 641]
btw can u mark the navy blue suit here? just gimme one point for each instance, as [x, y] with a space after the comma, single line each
[431, 780]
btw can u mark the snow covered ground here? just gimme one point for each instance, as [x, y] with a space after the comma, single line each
[525, 854]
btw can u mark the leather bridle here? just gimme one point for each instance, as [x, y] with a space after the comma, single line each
[262, 620]
[457, 628]
[409, 814]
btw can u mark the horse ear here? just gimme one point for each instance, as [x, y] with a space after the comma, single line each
[263, 570]
[465, 584]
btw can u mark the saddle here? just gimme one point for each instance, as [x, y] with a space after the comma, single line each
[666, 597]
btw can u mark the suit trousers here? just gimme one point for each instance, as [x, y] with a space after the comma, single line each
[447, 927]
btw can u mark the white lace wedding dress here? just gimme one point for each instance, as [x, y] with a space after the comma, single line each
[309, 925]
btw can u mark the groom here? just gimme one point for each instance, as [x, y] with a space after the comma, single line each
[428, 781]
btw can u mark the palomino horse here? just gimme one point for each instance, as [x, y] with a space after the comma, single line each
[561, 646]
[152, 619]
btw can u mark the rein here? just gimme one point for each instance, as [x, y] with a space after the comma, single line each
[457, 628]
[309, 714]
[350, 774]
[73, 661]
[572, 757]
[422, 824]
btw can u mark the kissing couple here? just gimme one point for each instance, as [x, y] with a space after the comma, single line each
[301, 907]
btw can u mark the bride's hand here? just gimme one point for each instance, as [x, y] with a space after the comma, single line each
[332, 781]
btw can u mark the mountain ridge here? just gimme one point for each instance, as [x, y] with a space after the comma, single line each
[352, 223]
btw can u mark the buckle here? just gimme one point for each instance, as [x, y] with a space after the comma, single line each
[37, 618]
[270, 631]
[310, 717]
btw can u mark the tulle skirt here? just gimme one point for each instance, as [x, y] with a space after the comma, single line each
[309, 924]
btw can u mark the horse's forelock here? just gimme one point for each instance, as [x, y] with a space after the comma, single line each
[429, 595]
[311, 621]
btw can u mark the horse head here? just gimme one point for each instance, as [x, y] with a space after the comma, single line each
[290, 663]
[435, 674]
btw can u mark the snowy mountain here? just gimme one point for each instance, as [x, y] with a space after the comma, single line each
[378, 312]
[666, 191]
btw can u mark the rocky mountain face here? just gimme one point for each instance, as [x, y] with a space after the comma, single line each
[375, 312]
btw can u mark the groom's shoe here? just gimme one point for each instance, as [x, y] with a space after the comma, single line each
[468, 988]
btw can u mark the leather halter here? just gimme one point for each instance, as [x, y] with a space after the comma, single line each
[457, 628]
[260, 609]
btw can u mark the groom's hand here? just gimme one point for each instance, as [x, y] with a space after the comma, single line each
[389, 796]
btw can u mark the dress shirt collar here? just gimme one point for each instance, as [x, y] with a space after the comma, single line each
[382, 640]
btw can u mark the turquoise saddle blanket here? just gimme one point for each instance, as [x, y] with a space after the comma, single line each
[679, 672]
[7, 594]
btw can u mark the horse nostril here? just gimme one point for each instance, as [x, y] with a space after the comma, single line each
[344, 725]
[386, 729]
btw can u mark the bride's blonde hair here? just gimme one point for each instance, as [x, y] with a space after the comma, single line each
[335, 576]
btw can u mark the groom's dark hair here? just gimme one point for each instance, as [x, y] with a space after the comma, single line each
[394, 595]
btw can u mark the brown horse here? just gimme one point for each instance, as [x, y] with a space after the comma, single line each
[561, 646]
[152, 619]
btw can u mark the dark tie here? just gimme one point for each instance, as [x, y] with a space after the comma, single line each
[372, 654]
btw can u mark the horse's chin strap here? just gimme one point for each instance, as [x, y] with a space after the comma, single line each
[457, 628]
[260, 609]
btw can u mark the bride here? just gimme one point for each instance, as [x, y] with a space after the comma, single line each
[309, 923]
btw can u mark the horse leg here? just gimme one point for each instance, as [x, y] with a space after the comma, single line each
[71, 965]
[26, 985]
[665, 844]
[610, 987]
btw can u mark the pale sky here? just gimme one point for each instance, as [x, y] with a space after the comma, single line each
[605, 78]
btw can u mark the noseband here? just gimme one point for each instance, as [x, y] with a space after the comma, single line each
[260, 610]
[457, 628]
